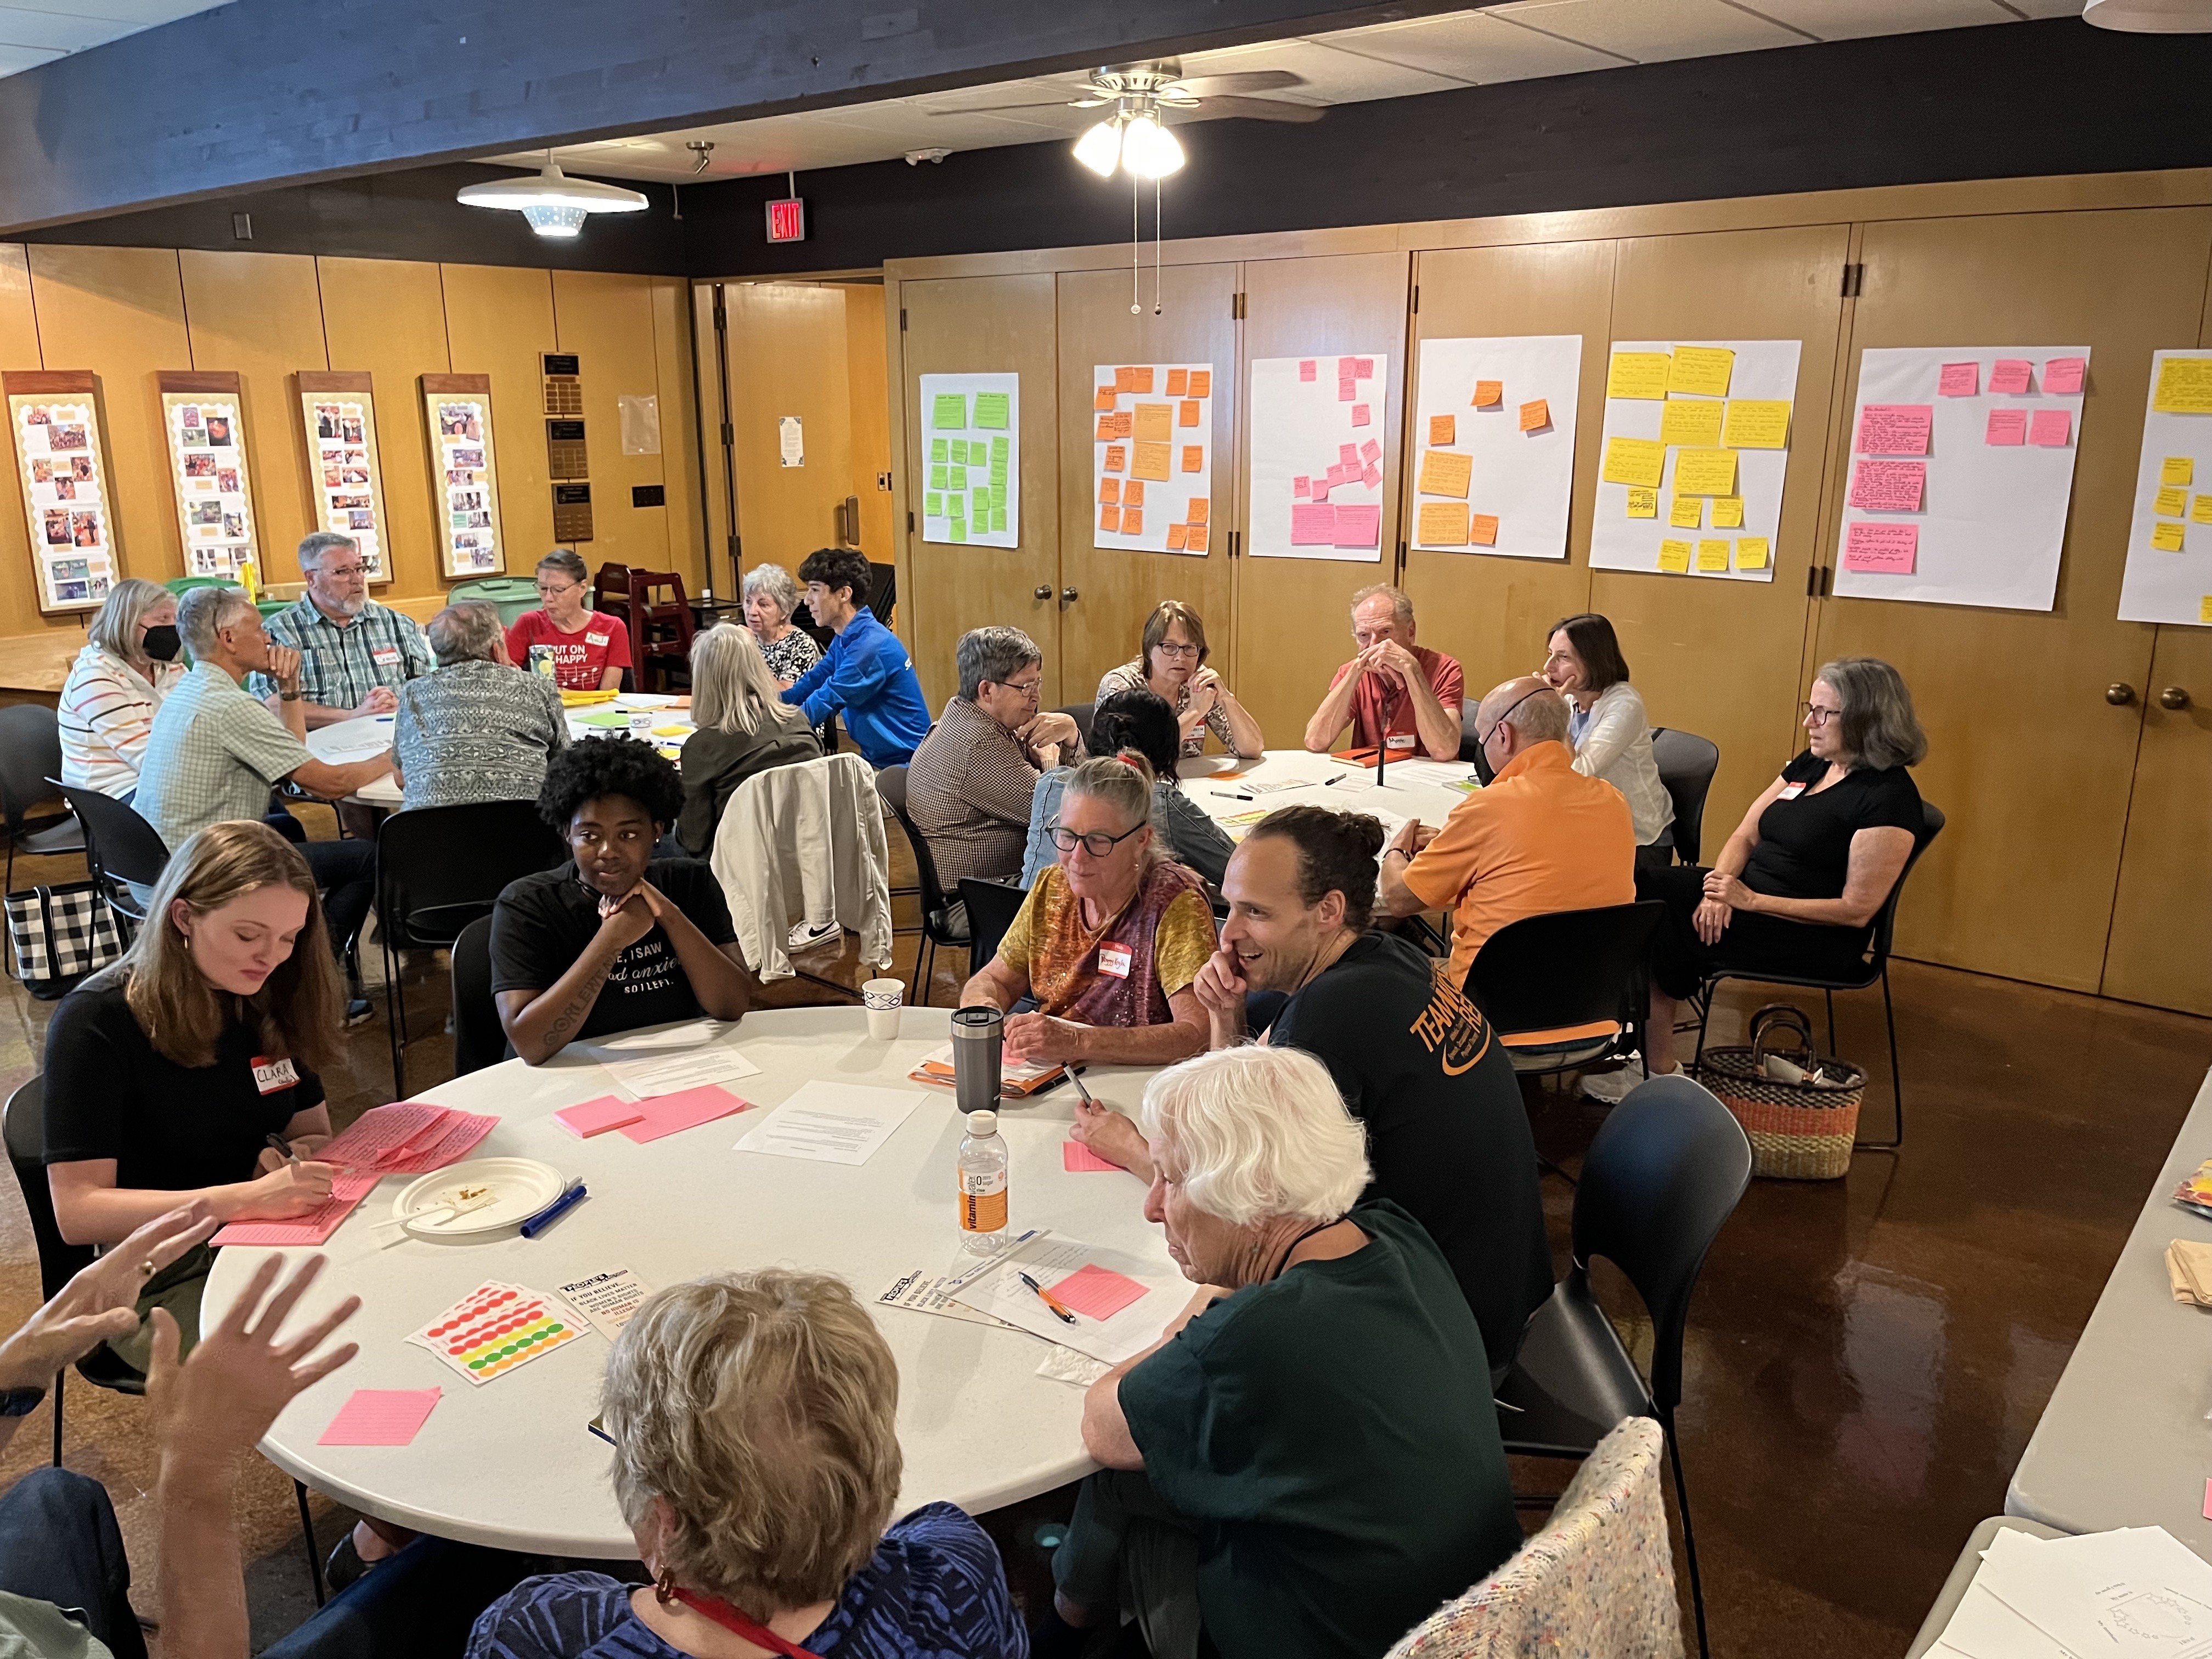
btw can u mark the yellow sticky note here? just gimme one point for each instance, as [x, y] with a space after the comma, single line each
[1636, 374]
[1751, 553]
[1757, 423]
[1728, 512]
[1442, 523]
[1642, 503]
[1704, 472]
[1444, 473]
[1703, 371]
[1689, 513]
[2177, 470]
[1155, 422]
[2200, 510]
[1634, 461]
[1152, 461]
[2166, 538]
[2185, 387]
[1712, 555]
[1693, 420]
[2204, 609]
[2171, 502]
[1675, 557]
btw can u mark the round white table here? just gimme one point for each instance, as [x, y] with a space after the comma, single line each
[1420, 789]
[511, 1463]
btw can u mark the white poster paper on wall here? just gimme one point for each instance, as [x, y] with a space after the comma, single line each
[2169, 570]
[971, 439]
[1983, 438]
[1494, 445]
[1697, 446]
[1151, 457]
[1319, 450]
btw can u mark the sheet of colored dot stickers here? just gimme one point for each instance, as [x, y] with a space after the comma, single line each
[497, 1326]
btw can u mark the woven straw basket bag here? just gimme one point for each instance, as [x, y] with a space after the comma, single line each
[1798, 1131]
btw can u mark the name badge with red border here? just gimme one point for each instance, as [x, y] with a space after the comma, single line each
[270, 1075]
[385, 656]
[1791, 790]
[1114, 961]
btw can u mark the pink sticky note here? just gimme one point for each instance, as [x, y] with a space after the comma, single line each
[380, 1417]
[1888, 486]
[595, 1117]
[1079, 1159]
[1358, 526]
[1301, 488]
[2062, 376]
[2053, 428]
[2208, 1500]
[2007, 426]
[2008, 376]
[668, 1115]
[1370, 475]
[1883, 548]
[1312, 526]
[1320, 491]
[1099, 1292]
[1347, 389]
[1894, 428]
[1359, 414]
[1363, 368]
[1371, 451]
[1959, 381]
[1305, 369]
[1347, 368]
[1336, 474]
[1348, 454]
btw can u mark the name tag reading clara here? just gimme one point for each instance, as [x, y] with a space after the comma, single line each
[596, 639]
[386, 656]
[1113, 960]
[1791, 790]
[270, 1075]
[1401, 739]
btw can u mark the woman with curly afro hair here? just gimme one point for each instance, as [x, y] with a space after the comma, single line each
[619, 938]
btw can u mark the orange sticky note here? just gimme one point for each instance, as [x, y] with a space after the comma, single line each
[1110, 517]
[1178, 380]
[1132, 522]
[1118, 457]
[1482, 530]
[1488, 394]
[1195, 541]
[1110, 490]
[1196, 511]
[1143, 378]
[1188, 414]
[1107, 428]
[1176, 534]
[1133, 493]
[1194, 457]
[1152, 424]
[1150, 461]
[1443, 429]
[1103, 399]
[1201, 383]
[1124, 380]
[1125, 423]
[1536, 415]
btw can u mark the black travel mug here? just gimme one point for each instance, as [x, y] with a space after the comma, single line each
[977, 1033]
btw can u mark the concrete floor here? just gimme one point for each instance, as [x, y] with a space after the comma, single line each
[1866, 1358]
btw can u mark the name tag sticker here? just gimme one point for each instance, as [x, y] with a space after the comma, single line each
[1113, 960]
[1791, 790]
[1401, 739]
[270, 1075]
[596, 639]
[386, 656]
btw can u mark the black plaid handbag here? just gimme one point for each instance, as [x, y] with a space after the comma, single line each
[61, 935]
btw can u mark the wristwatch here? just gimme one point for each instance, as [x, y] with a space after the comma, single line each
[287, 696]
[20, 1403]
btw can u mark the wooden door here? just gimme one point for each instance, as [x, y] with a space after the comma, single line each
[2026, 756]
[1723, 658]
[1113, 590]
[2163, 912]
[1293, 616]
[976, 325]
[868, 399]
[1490, 612]
[786, 348]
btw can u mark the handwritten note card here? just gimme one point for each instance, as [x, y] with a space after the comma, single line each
[2008, 377]
[1959, 380]
[1637, 375]
[2007, 426]
[1885, 549]
[2051, 428]
[1757, 423]
[1889, 486]
[1634, 460]
[1895, 429]
[2061, 377]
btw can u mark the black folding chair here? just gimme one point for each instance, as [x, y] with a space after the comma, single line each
[938, 926]
[479, 1040]
[1080, 713]
[121, 847]
[30, 754]
[1876, 971]
[992, 908]
[1565, 968]
[1663, 1176]
[1687, 762]
[438, 869]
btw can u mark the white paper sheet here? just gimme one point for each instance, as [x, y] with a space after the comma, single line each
[2160, 586]
[936, 483]
[832, 1122]
[924, 1291]
[1167, 501]
[2129, 1594]
[1299, 427]
[1524, 480]
[668, 1062]
[1136, 1327]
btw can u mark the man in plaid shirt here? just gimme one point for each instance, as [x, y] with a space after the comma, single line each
[354, 653]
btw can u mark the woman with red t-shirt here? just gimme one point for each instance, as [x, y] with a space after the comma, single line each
[591, 648]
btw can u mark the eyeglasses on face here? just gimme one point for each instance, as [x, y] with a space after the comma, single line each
[1022, 688]
[1097, 843]
[1165, 649]
[1813, 715]
[345, 572]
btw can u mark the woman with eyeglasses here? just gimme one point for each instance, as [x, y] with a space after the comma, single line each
[1101, 956]
[1797, 886]
[591, 648]
[1170, 663]
[617, 939]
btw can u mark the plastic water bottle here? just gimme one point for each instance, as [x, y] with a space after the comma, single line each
[983, 1184]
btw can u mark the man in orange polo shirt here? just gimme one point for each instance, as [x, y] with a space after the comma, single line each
[1541, 837]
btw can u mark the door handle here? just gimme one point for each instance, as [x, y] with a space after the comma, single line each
[2119, 693]
[2174, 697]
[1043, 591]
[1068, 596]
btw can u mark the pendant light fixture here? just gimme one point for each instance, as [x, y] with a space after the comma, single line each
[1133, 139]
[553, 203]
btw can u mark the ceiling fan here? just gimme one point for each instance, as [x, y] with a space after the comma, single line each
[1143, 96]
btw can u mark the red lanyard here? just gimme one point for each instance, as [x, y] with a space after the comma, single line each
[730, 1618]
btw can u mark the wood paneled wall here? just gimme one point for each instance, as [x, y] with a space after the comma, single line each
[128, 313]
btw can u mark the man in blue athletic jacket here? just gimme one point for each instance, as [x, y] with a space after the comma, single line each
[866, 671]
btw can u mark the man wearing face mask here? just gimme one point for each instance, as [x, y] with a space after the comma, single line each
[129, 663]
[1537, 837]
[354, 653]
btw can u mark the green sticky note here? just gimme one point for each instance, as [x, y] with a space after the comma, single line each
[998, 501]
[999, 449]
[937, 479]
[999, 519]
[991, 411]
[936, 448]
[960, 451]
[951, 414]
[958, 530]
[955, 504]
[932, 505]
[982, 502]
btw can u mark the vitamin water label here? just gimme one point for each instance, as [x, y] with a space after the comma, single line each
[983, 1202]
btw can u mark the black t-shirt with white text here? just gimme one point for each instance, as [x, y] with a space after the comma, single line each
[544, 922]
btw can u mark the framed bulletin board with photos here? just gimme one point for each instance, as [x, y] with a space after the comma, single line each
[337, 413]
[204, 420]
[464, 474]
[55, 425]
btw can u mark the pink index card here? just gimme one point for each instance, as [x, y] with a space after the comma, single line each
[382, 1135]
[380, 1417]
[1097, 1291]
[1346, 389]
[1371, 451]
[1305, 369]
[2007, 426]
[595, 1117]
[1959, 381]
[2008, 376]
[1078, 1159]
[1359, 415]
[1895, 428]
[1348, 454]
[1312, 525]
[1363, 368]
[1301, 488]
[1358, 526]
[2053, 428]
[1883, 548]
[2062, 376]
[668, 1115]
[313, 1228]
[1889, 486]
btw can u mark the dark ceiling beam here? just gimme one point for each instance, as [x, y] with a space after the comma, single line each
[261, 93]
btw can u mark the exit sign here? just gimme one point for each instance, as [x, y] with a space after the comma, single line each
[786, 220]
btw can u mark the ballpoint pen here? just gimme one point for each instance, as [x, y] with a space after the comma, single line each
[1047, 1298]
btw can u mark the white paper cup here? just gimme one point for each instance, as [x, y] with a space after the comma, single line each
[883, 998]
[641, 724]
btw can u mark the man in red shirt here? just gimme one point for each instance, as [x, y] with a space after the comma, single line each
[1393, 687]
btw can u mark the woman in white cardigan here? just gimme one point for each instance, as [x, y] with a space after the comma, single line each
[1606, 727]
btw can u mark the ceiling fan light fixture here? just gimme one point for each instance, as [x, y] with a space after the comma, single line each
[1149, 151]
[2151, 16]
[554, 204]
[1100, 148]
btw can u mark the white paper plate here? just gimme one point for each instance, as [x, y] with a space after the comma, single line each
[525, 1187]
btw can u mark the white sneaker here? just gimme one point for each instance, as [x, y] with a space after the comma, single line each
[1612, 1087]
[806, 937]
